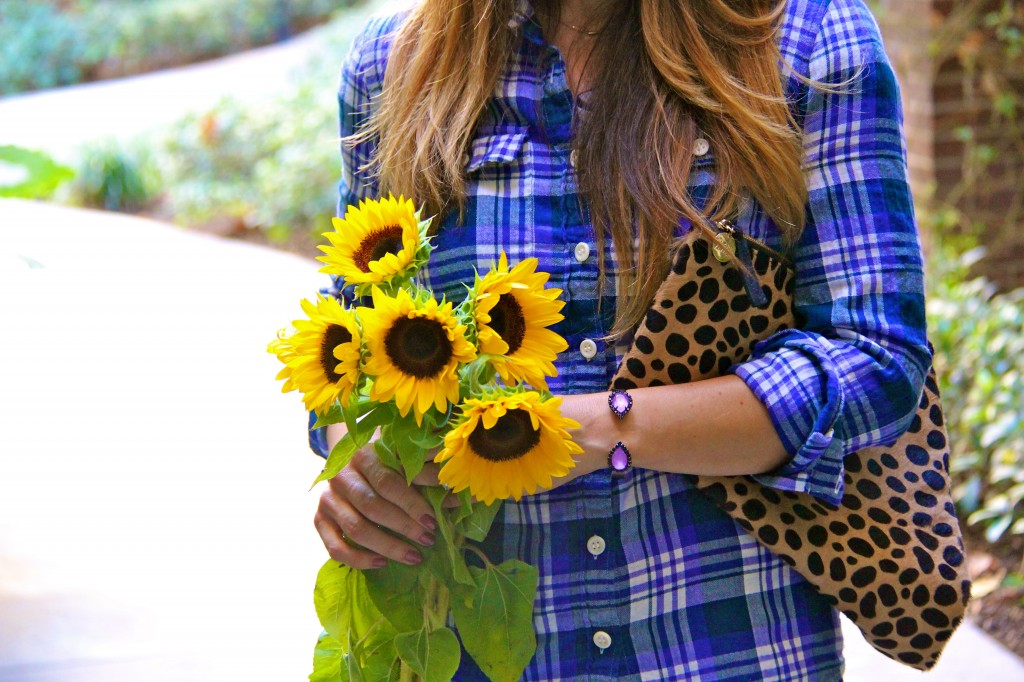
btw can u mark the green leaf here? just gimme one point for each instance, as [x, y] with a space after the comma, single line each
[495, 618]
[376, 653]
[434, 656]
[476, 526]
[40, 175]
[396, 591]
[343, 603]
[327, 661]
[386, 455]
[334, 415]
[450, 544]
[351, 442]
[403, 437]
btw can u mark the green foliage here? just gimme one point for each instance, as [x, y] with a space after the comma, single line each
[495, 618]
[35, 175]
[39, 47]
[979, 342]
[43, 46]
[434, 656]
[114, 177]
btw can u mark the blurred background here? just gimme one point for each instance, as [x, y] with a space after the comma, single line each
[166, 168]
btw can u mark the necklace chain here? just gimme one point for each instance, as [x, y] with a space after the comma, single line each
[578, 29]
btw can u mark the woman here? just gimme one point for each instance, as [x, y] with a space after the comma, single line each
[584, 133]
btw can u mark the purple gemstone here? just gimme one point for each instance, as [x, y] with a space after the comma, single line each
[620, 402]
[619, 457]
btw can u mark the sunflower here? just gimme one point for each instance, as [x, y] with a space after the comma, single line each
[415, 350]
[379, 242]
[507, 444]
[321, 356]
[512, 311]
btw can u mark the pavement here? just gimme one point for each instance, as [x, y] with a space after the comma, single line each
[155, 512]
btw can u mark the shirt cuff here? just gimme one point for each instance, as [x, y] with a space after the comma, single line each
[795, 377]
[317, 437]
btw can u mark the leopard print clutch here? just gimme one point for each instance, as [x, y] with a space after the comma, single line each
[891, 555]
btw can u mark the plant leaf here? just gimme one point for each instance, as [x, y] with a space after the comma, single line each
[495, 618]
[433, 656]
[351, 442]
[343, 603]
[327, 661]
[396, 591]
[476, 526]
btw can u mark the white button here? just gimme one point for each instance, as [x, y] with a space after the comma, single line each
[595, 545]
[830, 433]
[701, 146]
[572, 158]
[582, 251]
[602, 640]
[588, 349]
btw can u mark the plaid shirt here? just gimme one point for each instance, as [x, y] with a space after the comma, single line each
[646, 567]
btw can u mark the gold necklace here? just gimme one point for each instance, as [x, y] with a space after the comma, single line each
[578, 29]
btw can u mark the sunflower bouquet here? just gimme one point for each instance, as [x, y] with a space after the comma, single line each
[412, 375]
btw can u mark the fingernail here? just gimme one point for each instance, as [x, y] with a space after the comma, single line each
[413, 558]
[380, 562]
[427, 539]
[428, 522]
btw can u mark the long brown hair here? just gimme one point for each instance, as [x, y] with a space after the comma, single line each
[667, 71]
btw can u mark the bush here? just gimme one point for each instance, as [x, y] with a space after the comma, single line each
[114, 178]
[39, 47]
[979, 342]
[43, 47]
[275, 167]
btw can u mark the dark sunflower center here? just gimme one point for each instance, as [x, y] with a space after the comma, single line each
[418, 346]
[334, 336]
[510, 438]
[508, 322]
[378, 244]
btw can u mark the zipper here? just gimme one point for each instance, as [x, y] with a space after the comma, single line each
[730, 232]
[730, 239]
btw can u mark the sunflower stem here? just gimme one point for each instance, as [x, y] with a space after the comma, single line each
[481, 555]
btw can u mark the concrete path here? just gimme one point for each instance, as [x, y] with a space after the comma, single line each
[155, 519]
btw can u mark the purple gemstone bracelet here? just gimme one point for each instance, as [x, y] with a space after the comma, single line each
[620, 403]
[619, 460]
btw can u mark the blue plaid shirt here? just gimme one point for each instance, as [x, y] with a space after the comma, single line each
[646, 566]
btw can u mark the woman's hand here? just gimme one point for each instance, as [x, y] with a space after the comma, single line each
[369, 514]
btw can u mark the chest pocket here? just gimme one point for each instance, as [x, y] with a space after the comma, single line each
[489, 151]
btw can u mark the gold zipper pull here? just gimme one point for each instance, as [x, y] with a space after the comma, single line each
[725, 242]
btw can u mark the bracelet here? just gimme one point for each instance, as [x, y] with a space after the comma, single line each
[620, 403]
[619, 460]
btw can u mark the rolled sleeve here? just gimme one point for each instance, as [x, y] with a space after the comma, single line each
[851, 375]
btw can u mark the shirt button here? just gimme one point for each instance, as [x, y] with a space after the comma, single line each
[588, 349]
[596, 545]
[602, 640]
[582, 251]
[572, 158]
[701, 146]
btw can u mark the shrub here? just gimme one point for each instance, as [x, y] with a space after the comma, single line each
[274, 167]
[42, 46]
[114, 178]
[979, 342]
[39, 47]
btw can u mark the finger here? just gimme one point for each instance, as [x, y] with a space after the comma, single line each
[362, 530]
[341, 550]
[406, 511]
